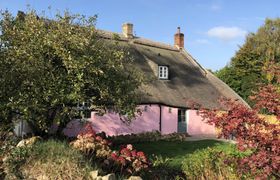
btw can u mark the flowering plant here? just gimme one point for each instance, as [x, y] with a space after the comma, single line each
[91, 144]
[130, 160]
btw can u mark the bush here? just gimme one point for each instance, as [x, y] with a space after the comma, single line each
[252, 132]
[126, 161]
[92, 145]
[147, 137]
[7, 142]
[129, 161]
[210, 163]
[50, 159]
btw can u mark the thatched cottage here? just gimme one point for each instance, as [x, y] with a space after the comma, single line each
[178, 80]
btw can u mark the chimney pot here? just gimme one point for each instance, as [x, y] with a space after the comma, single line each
[179, 39]
[127, 30]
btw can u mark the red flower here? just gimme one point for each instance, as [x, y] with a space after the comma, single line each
[114, 156]
[134, 153]
[129, 146]
[121, 160]
[126, 152]
[141, 156]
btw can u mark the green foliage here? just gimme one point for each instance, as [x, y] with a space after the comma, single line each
[159, 161]
[168, 157]
[7, 143]
[48, 66]
[52, 159]
[247, 68]
[177, 150]
[210, 163]
[147, 137]
[16, 159]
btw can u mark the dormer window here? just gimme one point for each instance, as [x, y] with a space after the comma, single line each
[163, 72]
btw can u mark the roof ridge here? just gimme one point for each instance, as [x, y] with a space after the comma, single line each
[136, 40]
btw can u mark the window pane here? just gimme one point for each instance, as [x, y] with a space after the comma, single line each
[163, 72]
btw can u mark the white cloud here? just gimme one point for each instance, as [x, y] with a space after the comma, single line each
[215, 7]
[226, 33]
[202, 41]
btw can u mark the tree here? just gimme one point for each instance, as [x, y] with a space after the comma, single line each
[48, 66]
[245, 71]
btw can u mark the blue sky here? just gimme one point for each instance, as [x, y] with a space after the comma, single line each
[213, 28]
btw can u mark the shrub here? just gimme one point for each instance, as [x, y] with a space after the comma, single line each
[209, 163]
[7, 142]
[92, 145]
[147, 137]
[252, 132]
[161, 169]
[16, 159]
[128, 160]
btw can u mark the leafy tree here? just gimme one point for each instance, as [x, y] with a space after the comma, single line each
[245, 70]
[48, 66]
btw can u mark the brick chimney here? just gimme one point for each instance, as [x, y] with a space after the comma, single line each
[127, 30]
[179, 39]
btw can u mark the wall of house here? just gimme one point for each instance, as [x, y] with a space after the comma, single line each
[196, 125]
[112, 124]
[169, 120]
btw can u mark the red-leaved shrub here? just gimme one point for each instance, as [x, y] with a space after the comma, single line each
[252, 132]
[126, 160]
[89, 143]
[129, 160]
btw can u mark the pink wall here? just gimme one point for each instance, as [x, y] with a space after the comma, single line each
[169, 120]
[196, 125]
[111, 123]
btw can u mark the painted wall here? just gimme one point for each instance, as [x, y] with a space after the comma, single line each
[196, 125]
[169, 120]
[112, 124]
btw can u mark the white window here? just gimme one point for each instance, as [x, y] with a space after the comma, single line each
[163, 72]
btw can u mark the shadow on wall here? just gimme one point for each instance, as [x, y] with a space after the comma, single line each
[198, 126]
[112, 125]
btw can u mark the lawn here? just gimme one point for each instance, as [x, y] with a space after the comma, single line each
[177, 150]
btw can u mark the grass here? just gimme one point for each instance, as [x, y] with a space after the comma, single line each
[52, 159]
[176, 151]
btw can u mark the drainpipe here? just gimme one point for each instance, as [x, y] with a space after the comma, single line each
[159, 118]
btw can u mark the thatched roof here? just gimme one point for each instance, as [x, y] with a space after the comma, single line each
[188, 81]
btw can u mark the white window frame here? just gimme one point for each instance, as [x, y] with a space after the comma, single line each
[163, 72]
